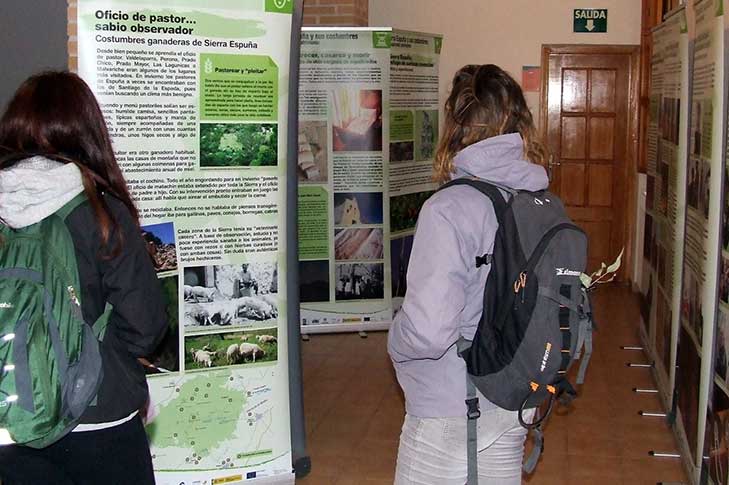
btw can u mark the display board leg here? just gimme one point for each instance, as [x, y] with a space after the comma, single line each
[302, 467]
[631, 347]
[363, 334]
[305, 337]
[645, 391]
[660, 454]
[648, 414]
[640, 366]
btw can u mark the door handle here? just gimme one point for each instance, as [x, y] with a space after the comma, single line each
[551, 165]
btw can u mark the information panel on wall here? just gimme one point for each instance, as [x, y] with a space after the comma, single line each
[414, 105]
[195, 95]
[703, 186]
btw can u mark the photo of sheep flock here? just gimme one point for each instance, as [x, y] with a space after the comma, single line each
[231, 348]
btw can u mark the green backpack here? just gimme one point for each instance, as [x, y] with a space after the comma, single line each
[50, 365]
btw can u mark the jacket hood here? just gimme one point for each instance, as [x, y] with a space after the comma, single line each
[35, 188]
[500, 160]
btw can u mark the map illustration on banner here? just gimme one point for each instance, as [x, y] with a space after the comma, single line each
[195, 95]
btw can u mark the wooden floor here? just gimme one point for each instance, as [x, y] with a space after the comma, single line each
[354, 410]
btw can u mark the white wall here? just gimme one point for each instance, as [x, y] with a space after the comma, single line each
[509, 33]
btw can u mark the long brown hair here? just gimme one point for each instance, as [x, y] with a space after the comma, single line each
[484, 102]
[55, 114]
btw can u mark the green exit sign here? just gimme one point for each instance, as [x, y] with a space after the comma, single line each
[590, 20]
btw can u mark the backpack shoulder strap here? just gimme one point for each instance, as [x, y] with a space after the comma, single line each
[487, 189]
[101, 323]
[69, 206]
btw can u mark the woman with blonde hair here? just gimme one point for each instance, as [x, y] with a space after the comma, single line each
[488, 134]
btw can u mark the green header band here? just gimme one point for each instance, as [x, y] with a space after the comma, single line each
[382, 40]
[280, 6]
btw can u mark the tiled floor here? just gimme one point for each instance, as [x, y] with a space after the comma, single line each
[354, 411]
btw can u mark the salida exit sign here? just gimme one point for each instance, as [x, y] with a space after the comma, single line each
[590, 20]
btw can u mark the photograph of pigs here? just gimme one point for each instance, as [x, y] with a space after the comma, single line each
[229, 296]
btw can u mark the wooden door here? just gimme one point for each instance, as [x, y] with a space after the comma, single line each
[590, 121]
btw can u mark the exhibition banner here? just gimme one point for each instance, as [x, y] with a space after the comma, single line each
[368, 130]
[195, 95]
[715, 464]
[666, 191]
[343, 154]
[414, 105]
[701, 252]
[650, 253]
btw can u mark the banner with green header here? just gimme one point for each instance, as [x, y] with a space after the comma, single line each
[714, 462]
[666, 193]
[414, 110]
[368, 130]
[704, 174]
[195, 95]
[344, 133]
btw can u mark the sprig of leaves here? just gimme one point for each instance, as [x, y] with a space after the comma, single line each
[605, 274]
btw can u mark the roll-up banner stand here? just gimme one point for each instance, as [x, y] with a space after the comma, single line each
[715, 462]
[665, 194]
[200, 101]
[368, 128]
[414, 110]
[663, 247]
[705, 167]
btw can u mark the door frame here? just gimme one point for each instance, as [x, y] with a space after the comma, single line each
[632, 156]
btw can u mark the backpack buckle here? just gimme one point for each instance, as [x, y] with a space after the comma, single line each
[473, 411]
[484, 260]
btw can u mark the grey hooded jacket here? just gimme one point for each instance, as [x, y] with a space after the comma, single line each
[444, 298]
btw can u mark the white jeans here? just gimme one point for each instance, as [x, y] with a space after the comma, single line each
[433, 450]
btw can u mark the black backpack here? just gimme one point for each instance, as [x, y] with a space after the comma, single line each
[536, 318]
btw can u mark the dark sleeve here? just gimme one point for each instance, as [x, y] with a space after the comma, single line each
[130, 284]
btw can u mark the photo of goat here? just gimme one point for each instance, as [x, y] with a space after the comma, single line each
[352, 209]
[231, 348]
[160, 240]
[233, 295]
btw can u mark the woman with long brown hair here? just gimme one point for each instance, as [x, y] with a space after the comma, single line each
[54, 145]
[488, 134]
